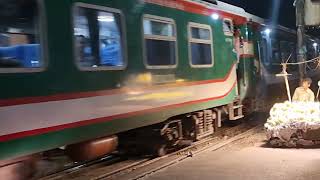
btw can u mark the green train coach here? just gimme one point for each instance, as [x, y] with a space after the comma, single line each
[73, 72]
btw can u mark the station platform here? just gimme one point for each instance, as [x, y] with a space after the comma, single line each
[247, 159]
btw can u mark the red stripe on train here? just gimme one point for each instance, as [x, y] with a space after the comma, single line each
[247, 56]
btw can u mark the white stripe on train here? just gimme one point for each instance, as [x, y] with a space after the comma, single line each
[29, 117]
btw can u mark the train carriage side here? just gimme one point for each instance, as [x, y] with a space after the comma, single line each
[74, 71]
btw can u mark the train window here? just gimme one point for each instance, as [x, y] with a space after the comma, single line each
[264, 51]
[276, 57]
[200, 45]
[160, 42]
[228, 27]
[20, 49]
[98, 38]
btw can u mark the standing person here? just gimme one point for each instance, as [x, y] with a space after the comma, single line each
[238, 43]
[304, 93]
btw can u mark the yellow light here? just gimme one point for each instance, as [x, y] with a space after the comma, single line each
[161, 96]
[144, 78]
[180, 80]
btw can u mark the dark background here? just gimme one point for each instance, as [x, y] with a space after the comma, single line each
[276, 11]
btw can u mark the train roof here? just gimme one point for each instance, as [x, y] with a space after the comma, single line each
[206, 7]
[215, 4]
[219, 5]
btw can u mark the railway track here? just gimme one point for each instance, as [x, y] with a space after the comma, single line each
[137, 168]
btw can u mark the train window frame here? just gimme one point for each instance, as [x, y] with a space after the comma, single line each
[228, 33]
[42, 39]
[193, 40]
[159, 37]
[123, 34]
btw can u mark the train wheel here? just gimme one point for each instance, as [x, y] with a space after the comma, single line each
[161, 150]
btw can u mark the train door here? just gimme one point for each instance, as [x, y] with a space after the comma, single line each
[233, 36]
[238, 49]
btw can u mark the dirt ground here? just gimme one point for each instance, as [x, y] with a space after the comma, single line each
[248, 158]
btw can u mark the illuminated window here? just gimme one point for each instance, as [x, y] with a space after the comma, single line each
[200, 45]
[160, 42]
[98, 38]
[20, 49]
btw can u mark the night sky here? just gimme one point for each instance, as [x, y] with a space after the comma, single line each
[268, 9]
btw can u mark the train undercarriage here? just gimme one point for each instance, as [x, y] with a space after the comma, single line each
[179, 131]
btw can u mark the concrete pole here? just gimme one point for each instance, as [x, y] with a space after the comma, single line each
[300, 36]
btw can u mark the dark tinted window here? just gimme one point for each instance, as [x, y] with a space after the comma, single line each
[160, 53]
[201, 54]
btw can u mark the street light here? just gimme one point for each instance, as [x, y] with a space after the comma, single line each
[267, 31]
[315, 45]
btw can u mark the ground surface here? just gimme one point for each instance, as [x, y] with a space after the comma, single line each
[248, 158]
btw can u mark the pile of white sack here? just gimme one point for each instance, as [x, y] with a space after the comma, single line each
[290, 122]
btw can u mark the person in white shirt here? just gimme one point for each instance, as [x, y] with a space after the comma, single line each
[304, 93]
